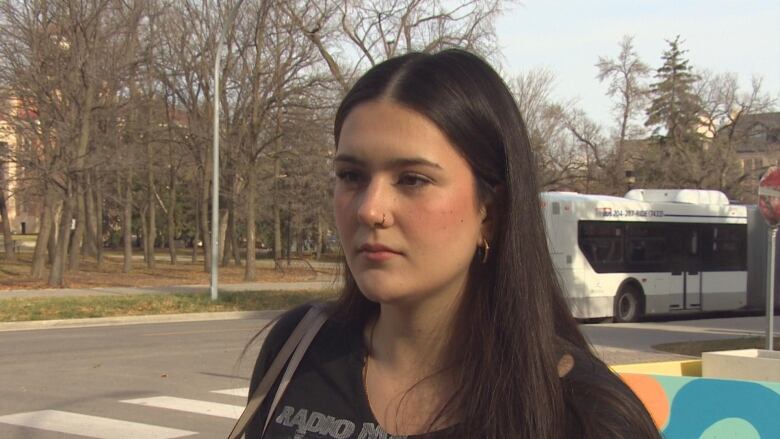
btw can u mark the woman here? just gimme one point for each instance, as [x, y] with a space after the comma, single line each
[451, 322]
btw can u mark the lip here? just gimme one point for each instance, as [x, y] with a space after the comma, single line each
[377, 252]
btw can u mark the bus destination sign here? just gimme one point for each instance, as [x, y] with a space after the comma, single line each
[608, 212]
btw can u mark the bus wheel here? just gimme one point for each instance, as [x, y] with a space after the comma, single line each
[628, 305]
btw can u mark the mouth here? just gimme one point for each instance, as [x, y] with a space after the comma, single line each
[377, 252]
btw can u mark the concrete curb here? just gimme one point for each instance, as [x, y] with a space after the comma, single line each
[137, 320]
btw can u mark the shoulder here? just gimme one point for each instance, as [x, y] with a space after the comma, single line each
[283, 327]
[280, 331]
[599, 404]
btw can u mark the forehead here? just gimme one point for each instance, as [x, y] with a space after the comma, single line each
[384, 129]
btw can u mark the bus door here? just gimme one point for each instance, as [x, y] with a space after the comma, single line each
[685, 264]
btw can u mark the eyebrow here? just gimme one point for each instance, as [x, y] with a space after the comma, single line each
[395, 163]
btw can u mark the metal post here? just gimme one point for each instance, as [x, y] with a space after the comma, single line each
[770, 297]
[215, 181]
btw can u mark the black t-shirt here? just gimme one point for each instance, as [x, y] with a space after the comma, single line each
[326, 397]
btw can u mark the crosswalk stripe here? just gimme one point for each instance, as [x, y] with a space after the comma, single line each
[91, 426]
[241, 391]
[190, 405]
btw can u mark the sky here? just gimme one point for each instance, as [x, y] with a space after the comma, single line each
[568, 36]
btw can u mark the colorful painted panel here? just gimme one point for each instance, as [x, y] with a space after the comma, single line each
[706, 408]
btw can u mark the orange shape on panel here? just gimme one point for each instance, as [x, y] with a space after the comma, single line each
[652, 395]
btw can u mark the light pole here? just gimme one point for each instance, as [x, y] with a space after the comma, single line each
[769, 205]
[215, 158]
[770, 295]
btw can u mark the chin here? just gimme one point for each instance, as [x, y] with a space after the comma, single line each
[382, 290]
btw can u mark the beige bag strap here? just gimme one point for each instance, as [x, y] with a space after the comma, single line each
[293, 364]
[306, 330]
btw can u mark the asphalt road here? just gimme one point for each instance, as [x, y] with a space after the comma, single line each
[94, 371]
[625, 343]
[161, 380]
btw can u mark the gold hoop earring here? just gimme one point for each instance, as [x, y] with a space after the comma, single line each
[485, 250]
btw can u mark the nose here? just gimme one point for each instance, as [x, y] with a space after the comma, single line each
[374, 205]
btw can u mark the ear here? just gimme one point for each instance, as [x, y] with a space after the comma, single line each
[490, 212]
[565, 365]
[486, 228]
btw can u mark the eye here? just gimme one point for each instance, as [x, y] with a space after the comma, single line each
[349, 176]
[413, 180]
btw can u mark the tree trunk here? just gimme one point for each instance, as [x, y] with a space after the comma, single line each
[318, 243]
[299, 235]
[51, 245]
[8, 239]
[228, 245]
[233, 223]
[204, 221]
[152, 203]
[39, 255]
[250, 274]
[127, 223]
[145, 233]
[98, 223]
[78, 234]
[227, 248]
[76, 188]
[288, 233]
[277, 215]
[197, 231]
[234, 238]
[171, 216]
[56, 275]
[223, 223]
[90, 236]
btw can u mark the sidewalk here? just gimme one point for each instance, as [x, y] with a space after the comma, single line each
[323, 282]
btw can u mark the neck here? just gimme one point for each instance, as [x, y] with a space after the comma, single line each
[411, 339]
[406, 376]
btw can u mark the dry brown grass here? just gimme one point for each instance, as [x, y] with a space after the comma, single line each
[16, 275]
[47, 308]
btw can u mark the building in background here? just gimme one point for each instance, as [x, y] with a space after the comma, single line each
[23, 211]
[758, 147]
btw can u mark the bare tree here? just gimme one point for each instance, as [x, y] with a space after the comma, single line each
[353, 35]
[625, 76]
[185, 60]
[724, 107]
[561, 142]
[57, 43]
[117, 99]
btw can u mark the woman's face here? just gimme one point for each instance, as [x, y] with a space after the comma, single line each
[406, 206]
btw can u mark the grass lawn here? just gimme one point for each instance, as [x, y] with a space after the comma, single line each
[14, 310]
[695, 348]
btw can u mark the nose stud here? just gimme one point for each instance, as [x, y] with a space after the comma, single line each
[382, 224]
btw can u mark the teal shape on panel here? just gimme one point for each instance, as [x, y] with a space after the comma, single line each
[701, 403]
[731, 428]
[673, 384]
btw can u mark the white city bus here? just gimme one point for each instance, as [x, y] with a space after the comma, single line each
[653, 251]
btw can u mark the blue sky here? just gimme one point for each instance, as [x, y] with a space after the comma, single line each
[568, 36]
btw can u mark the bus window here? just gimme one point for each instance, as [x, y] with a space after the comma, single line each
[646, 247]
[602, 244]
[646, 250]
[693, 247]
[724, 247]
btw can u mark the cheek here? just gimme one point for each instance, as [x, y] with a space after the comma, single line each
[452, 218]
[341, 210]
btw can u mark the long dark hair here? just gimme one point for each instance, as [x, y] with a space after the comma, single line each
[513, 320]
